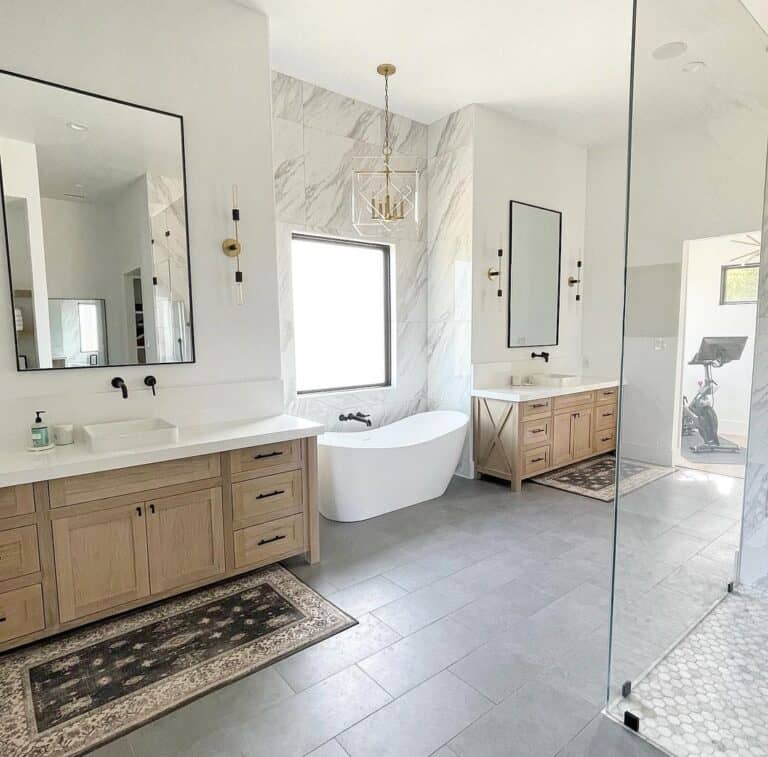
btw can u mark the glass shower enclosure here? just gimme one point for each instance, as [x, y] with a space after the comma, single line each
[689, 628]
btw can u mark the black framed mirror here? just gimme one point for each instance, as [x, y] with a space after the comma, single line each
[533, 280]
[95, 227]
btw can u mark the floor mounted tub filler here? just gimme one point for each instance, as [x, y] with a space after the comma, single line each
[368, 473]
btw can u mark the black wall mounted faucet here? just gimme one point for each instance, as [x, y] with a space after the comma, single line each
[118, 383]
[151, 382]
[358, 416]
[544, 355]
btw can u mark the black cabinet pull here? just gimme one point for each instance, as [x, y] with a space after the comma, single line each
[269, 541]
[605, 439]
[152, 509]
[539, 404]
[537, 430]
[262, 455]
[607, 415]
[538, 460]
[271, 494]
[138, 511]
[3, 619]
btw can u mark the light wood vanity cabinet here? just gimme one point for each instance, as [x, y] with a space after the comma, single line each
[76, 549]
[518, 440]
[101, 560]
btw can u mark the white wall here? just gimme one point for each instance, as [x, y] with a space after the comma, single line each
[20, 180]
[207, 60]
[512, 161]
[705, 316]
[687, 183]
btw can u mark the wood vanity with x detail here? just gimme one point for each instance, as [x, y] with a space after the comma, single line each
[521, 432]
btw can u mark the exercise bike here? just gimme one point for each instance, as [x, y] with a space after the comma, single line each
[699, 414]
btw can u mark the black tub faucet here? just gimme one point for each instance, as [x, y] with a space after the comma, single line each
[544, 355]
[118, 383]
[358, 416]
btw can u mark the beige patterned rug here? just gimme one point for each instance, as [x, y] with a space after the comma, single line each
[67, 695]
[596, 478]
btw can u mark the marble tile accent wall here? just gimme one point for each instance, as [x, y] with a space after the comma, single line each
[317, 134]
[754, 536]
[449, 236]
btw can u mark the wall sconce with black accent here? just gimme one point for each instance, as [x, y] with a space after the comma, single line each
[232, 249]
[575, 281]
[495, 273]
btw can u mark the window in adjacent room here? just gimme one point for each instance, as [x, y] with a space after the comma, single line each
[88, 315]
[341, 308]
[738, 284]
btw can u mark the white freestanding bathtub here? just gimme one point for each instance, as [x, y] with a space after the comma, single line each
[371, 472]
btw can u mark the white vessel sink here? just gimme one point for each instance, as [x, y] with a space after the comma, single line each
[119, 436]
[555, 379]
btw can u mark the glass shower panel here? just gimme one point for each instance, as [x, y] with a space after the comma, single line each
[699, 128]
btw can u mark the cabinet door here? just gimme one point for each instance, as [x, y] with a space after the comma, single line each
[581, 433]
[562, 451]
[101, 560]
[186, 539]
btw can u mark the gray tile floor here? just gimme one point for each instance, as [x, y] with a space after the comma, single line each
[483, 629]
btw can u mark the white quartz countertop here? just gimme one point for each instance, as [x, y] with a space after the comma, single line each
[526, 393]
[22, 467]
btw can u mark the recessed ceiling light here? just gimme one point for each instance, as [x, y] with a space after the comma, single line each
[76, 126]
[693, 66]
[670, 50]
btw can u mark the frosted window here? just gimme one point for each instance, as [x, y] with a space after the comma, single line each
[88, 315]
[341, 314]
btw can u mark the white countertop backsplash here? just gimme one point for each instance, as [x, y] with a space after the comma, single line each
[525, 393]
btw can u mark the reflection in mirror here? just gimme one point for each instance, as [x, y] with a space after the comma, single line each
[534, 275]
[96, 227]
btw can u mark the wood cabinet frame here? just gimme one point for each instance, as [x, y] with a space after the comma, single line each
[30, 505]
[506, 447]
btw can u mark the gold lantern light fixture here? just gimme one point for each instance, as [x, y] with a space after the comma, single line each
[385, 192]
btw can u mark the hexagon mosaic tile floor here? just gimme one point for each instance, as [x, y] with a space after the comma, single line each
[709, 695]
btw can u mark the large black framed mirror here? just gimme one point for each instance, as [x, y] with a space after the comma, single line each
[95, 228]
[533, 280]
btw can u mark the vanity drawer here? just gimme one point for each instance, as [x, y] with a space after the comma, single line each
[269, 541]
[604, 441]
[16, 500]
[607, 395]
[536, 407]
[536, 460]
[605, 417]
[21, 612]
[573, 400]
[113, 483]
[258, 499]
[537, 432]
[266, 457]
[18, 552]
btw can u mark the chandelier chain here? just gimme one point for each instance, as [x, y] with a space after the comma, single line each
[387, 146]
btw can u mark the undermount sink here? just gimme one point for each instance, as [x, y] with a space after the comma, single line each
[119, 436]
[555, 379]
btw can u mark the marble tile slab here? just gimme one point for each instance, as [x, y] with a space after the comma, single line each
[286, 97]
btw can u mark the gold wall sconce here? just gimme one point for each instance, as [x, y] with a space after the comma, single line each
[232, 249]
[575, 281]
[495, 273]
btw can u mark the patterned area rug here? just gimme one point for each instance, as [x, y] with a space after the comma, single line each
[67, 695]
[596, 478]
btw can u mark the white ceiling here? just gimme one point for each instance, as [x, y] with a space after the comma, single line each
[559, 64]
[121, 143]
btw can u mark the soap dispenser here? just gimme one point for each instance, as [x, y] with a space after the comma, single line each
[40, 438]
